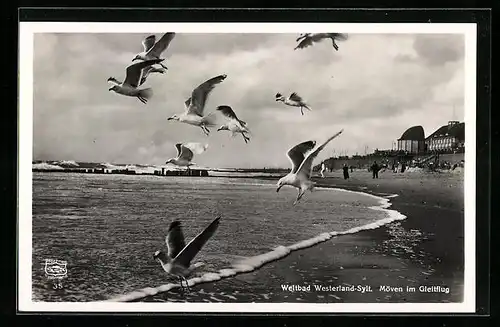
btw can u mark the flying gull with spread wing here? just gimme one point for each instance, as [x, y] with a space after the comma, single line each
[185, 153]
[195, 105]
[300, 175]
[293, 100]
[177, 260]
[234, 124]
[153, 49]
[308, 39]
[134, 75]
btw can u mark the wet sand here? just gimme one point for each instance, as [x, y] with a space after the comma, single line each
[424, 250]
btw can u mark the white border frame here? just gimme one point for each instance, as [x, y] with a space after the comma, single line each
[25, 111]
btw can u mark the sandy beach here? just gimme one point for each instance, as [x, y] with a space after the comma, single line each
[424, 251]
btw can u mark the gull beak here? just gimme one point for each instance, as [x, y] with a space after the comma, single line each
[169, 118]
[219, 129]
[110, 89]
[278, 189]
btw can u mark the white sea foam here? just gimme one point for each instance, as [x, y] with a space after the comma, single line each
[46, 166]
[250, 264]
[111, 166]
[68, 163]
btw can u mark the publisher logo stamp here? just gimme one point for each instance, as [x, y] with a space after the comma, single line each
[56, 271]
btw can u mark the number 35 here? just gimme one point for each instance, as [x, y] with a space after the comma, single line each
[57, 286]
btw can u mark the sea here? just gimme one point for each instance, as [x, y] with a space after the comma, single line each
[106, 227]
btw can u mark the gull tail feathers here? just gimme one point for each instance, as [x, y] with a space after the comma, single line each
[210, 119]
[146, 93]
[247, 130]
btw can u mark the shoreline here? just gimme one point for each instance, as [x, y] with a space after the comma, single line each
[424, 250]
[275, 255]
[419, 259]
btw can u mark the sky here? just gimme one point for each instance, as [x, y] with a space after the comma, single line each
[375, 87]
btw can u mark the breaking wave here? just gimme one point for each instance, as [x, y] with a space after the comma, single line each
[71, 163]
[46, 166]
[253, 263]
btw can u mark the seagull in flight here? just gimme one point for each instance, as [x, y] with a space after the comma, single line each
[129, 86]
[293, 100]
[177, 260]
[300, 175]
[195, 105]
[153, 49]
[307, 39]
[185, 154]
[234, 124]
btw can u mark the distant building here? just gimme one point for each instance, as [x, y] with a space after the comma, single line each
[447, 137]
[412, 140]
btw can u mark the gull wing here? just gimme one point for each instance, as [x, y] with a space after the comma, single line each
[175, 239]
[145, 73]
[295, 97]
[189, 252]
[318, 37]
[179, 150]
[297, 153]
[148, 70]
[148, 42]
[187, 103]
[301, 36]
[196, 147]
[228, 112]
[200, 95]
[306, 166]
[186, 153]
[339, 36]
[113, 80]
[306, 42]
[135, 71]
[162, 44]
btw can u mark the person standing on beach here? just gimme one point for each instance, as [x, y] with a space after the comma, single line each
[375, 168]
[323, 169]
[346, 171]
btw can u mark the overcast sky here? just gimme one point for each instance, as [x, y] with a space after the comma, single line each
[374, 87]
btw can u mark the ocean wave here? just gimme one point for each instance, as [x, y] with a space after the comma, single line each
[46, 166]
[110, 166]
[143, 169]
[253, 263]
[67, 163]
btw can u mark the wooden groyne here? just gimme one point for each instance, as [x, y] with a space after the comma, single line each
[190, 172]
[162, 172]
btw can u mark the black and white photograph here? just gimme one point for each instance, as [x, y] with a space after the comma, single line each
[214, 167]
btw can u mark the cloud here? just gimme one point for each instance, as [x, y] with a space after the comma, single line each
[375, 87]
[439, 49]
